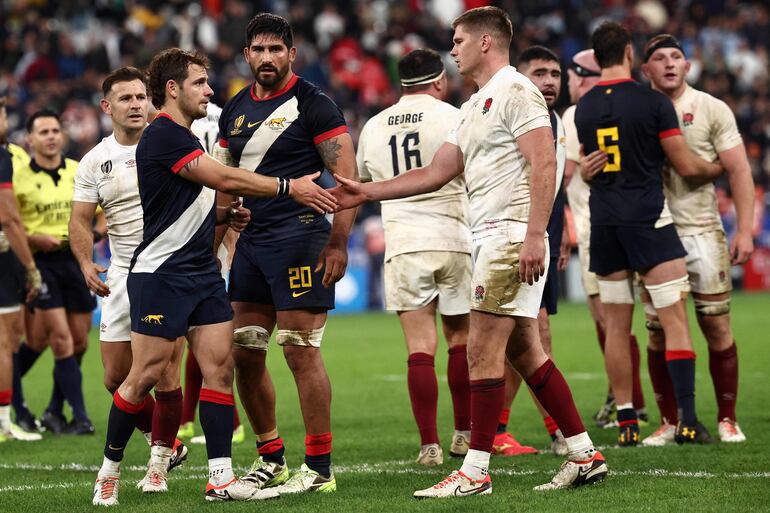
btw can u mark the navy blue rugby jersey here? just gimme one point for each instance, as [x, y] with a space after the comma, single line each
[276, 136]
[556, 221]
[179, 215]
[626, 120]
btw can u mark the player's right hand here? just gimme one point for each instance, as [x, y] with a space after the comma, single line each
[592, 164]
[45, 243]
[34, 283]
[91, 272]
[306, 192]
[349, 193]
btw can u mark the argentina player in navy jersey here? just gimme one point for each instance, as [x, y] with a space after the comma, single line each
[174, 286]
[284, 126]
[628, 131]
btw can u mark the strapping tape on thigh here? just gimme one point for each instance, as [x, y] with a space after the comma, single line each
[619, 292]
[669, 293]
[251, 337]
[704, 307]
[306, 338]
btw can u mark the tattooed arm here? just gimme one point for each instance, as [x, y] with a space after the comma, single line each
[339, 158]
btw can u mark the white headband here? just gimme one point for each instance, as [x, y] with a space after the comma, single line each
[425, 79]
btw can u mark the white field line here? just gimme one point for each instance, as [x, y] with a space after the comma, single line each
[392, 467]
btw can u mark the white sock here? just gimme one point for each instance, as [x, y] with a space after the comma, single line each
[160, 456]
[580, 447]
[109, 467]
[626, 406]
[148, 436]
[476, 464]
[5, 417]
[220, 471]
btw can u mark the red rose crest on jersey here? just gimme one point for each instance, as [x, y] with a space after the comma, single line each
[688, 118]
[478, 294]
[487, 105]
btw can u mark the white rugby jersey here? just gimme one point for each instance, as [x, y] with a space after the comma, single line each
[403, 137]
[578, 191]
[207, 129]
[107, 175]
[709, 127]
[507, 107]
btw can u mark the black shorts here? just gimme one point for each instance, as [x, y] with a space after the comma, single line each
[168, 305]
[12, 281]
[63, 284]
[618, 248]
[551, 290]
[281, 274]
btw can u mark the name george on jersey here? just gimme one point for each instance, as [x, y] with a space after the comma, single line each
[409, 117]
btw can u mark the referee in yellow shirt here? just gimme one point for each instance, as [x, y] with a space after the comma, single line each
[62, 311]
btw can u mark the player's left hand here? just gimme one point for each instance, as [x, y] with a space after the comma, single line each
[333, 260]
[564, 252]
[592, 164]
[349, 193]
[238, 217]
[532, 259]
[741, 248]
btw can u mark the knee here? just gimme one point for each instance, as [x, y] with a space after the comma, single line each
[169, 380]
[299, 359]
[113, 379]
[716, 330]
[249, 360]
[61, 344]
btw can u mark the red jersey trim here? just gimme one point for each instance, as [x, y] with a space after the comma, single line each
[185, 160]
[680, 355]
[669, 133]
[6, 185]
[318, 139]
[289, 85]
[164, 115]
[616, 81]
[223, 143]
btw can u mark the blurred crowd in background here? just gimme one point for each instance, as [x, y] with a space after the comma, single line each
[56, 53]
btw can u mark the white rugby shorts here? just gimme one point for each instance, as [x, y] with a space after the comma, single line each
[115, 325]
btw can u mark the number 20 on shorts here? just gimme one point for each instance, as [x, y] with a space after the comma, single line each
[603, 136]
[300, 277]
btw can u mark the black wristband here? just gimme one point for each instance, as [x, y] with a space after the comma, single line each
[283, 187]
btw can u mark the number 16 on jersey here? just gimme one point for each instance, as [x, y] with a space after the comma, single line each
[411, 154]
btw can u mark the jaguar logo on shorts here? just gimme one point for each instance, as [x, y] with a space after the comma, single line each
[487, 106]
[153, 319]
[107, 167]
[478, 294]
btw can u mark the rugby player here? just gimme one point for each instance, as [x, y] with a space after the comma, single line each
[19, 282]
[583, 74]
[710, 129]
[106, 178]
[427, 245]
[43, 190]
[174, 286]
[289, 258]
[631, 227]
[504, 144]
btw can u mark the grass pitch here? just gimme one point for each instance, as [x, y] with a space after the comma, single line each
[375, 439]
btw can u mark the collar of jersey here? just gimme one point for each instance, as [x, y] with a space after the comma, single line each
[289, 85]
[616, 81]
[37, 168]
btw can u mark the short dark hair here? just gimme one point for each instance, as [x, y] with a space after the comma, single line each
[537, 53]
[418, 65]
[42, 113]
[609, 42]
[268, 23]
[172, 64]
[124, 74]
[492, 19]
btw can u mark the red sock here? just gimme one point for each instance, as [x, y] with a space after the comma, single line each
[550, 425]
[487, 398]
[662, 385]
[724, 372]
[165, 420]
[193, 381]
[554, 394]
[459, 386]
[423, 392]
[600, 335]
[5, 397]
[144, 419]
[638, 394]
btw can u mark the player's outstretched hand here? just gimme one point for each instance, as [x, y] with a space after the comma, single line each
[349, 193]
[532, 259]
[91, 274]
[741, 248]
[238, 216]
[333, 260]
[306, 192]
[592, 164]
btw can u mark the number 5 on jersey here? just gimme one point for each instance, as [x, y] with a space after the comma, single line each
[603, 137]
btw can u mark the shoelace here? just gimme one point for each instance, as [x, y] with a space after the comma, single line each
[155, 478]
[731, 428]
[295, 481]
[451, 478]
[662, 429]
[108, 487]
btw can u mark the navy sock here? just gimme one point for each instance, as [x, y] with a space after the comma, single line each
[68, 376]
[627, 417]
[56, 403]
[216, 417]
[272, 450]
[682, 372]
[321, 463]
[27, 358]
[318, 453]
[17, 400]
[120, 426]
